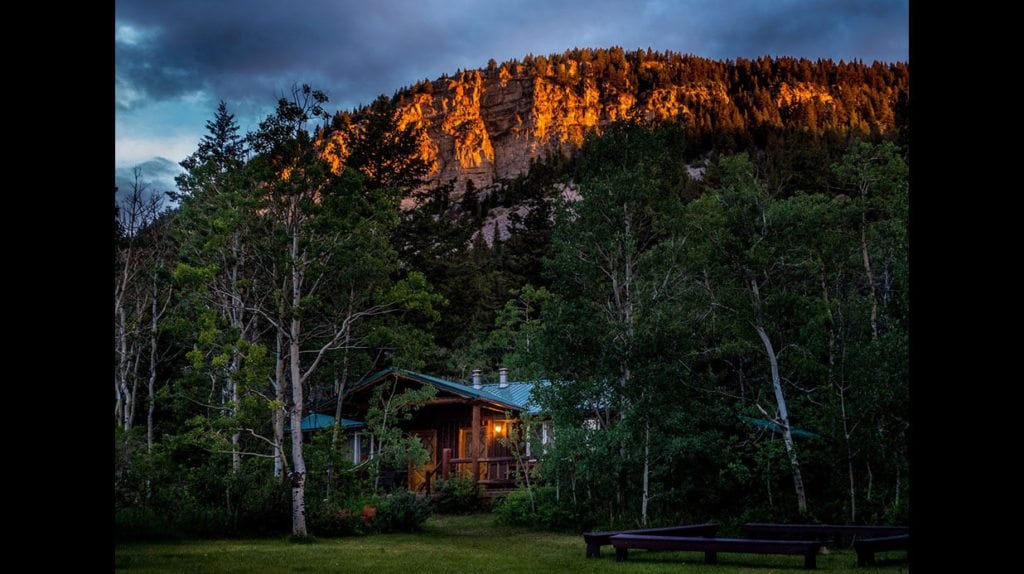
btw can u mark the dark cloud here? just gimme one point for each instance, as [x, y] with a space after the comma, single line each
[255, 49]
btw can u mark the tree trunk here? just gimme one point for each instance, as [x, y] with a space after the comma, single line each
[151, 387]
[871, 480]
[867, 269]
[647, 474]
[840, 390]
[849, 457]
[281, 396]
[787, 435]
[133, 395]
[236, 317]
[120, 374]
[236, 457]
[896, 498]
[339, 387]
[298, 474]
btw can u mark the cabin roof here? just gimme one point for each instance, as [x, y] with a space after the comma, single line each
[515, 396]
[317, 421]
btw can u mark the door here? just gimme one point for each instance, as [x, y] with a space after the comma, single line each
[466, 469]
[418, 474]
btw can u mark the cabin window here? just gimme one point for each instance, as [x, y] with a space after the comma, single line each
[362, 447]
[545, 432]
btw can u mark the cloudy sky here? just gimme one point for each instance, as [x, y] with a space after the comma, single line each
[175, 59]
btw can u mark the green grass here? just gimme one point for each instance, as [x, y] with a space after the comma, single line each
[462, 544]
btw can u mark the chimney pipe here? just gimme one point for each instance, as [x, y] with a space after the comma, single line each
[502, 377]
[476, 379]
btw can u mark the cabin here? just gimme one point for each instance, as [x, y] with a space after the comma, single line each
[464, 428]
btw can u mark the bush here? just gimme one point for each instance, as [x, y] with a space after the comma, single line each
[133, 524]
[334, 520]
[548, 513]
[262, 504]
[401, 511]
[456, 496]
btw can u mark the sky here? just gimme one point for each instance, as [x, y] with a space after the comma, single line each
[176, 59]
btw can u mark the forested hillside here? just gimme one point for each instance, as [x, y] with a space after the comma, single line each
[712, 256]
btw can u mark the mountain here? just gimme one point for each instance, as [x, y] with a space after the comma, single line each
[488, 124]
[156, 174]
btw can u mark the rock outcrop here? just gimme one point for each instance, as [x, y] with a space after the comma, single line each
[486, 125]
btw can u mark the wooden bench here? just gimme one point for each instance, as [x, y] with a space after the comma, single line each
[819, 531]
[866, 547]
[712, 546]
[595, 540]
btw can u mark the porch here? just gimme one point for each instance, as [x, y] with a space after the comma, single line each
[497, 474]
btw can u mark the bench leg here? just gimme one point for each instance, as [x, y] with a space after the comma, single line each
[621, 554]
[711, 557]
[865, 557]
[593, 550]
[811, 560]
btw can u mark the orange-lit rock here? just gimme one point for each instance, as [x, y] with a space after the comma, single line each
[486, 125]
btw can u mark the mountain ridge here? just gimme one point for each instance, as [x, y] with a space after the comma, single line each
[489, 124]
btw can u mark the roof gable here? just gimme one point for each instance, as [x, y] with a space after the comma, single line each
[515, 396]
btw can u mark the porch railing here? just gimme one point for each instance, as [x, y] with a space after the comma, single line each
[495, 471]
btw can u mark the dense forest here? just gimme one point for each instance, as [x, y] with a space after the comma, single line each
[725, 346]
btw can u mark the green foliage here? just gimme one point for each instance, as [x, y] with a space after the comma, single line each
[388, 409]
[386, 154]
[651, 329]
[183, 490]
[513, 341]
[456, 495]
[541, 510]
[353, 515]
[671, 371]
[401, 511]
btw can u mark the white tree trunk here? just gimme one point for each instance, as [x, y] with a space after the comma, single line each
[787, 435]
[298, 474]
[867, 269]
[121, 374]
[840, 390]
[647, 474]
[236, 457]
[280, 395]
[151, 387]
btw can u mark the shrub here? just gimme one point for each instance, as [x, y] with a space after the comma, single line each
[456, 496]
[334, 520]
[132, 524]
[548, 513]
[400, 511]
[262, 504]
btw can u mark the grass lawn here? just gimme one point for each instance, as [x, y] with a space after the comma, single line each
[462, 544]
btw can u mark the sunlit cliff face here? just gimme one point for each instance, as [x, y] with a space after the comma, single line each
[488, 125]
[484, 125]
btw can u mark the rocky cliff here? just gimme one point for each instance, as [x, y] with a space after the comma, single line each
[488, 124]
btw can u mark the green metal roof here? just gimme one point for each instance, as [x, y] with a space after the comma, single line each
[517, 393]
[515, 396]
[317, 421]
[777, 428]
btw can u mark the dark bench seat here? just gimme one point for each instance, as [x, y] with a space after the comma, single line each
[867, 547]
[595, 540]
[819, 531]
[712, 546]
